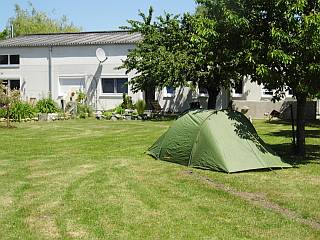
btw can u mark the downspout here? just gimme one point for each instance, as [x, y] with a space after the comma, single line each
[50, 70]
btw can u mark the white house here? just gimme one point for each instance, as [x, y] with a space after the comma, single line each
[66, 62]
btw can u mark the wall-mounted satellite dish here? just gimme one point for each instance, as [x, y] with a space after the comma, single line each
[101, 55]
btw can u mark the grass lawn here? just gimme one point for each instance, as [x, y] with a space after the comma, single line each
[88, 179]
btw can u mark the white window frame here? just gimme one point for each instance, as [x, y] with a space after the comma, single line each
[112, 94]
[8, 65]
[71, 76]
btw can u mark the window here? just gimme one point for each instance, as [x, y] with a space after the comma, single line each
[114, 85]
[4, 59]
[169, 91]
[239, 88]
[202, 90]
[13, 84]
[9, 59]
[267, 92]
[14, 59]
[69, 85]
[122, 85]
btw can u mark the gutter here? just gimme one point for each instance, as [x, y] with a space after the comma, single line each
[50, 70]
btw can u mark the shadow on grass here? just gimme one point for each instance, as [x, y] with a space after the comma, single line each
[287, 153]
[162, 119]
[287, 150]
[288, 134]
[314, 123]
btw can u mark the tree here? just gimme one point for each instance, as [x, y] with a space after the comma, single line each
[4, 34]
[7, 99]
[32, 21]
[179, 50]
[285, 50]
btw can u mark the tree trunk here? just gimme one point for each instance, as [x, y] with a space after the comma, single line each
[150, 97]
[213, 94]
[8, 116]
[301, 109]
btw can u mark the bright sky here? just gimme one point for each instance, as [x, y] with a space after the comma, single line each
[97, 15]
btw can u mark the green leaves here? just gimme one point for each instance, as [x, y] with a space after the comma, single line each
[31, 21]
[176, 50]
[280, 56]
[285, 43]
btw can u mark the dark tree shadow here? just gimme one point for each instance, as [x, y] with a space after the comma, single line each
[245, 130]
[287, 153]
[314, 123]
[288, 133]
[287, 150]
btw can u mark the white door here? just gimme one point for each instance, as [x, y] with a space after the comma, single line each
[67, 86]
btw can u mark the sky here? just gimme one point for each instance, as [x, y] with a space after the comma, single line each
[96, 15]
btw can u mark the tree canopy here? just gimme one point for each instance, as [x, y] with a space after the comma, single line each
[184, 50]
[285, 50]
[32, 21]
[4, 34]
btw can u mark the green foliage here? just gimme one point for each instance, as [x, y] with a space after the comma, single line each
[3, 112]
[84, 110]
[22, 110]
[7, 96]
[285, 43]
[47, 105]
[176, 50]
[126, 101]
[7, 100]
[119, 110]
[81, 98]
[107, 115]
[284, 50]
[31, 21]
[4, 34]
[140, 106]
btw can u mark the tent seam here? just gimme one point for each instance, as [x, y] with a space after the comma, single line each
[200, 127]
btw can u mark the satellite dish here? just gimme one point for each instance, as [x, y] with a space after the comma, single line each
[101, 55]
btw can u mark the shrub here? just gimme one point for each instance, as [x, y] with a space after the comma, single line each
[84, 111]
[21, 110]
[119, 110]
[140, 106]
[47, 105]
[107, 115]
[3, 112]
[126, 101]
[81, 97]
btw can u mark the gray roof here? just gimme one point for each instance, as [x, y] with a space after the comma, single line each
[72, 39]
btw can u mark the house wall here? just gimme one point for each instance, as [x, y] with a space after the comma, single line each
[257, 105]
[183, 96]
[68, 62]
[81, 62]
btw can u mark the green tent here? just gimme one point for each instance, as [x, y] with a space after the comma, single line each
[218, 140]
